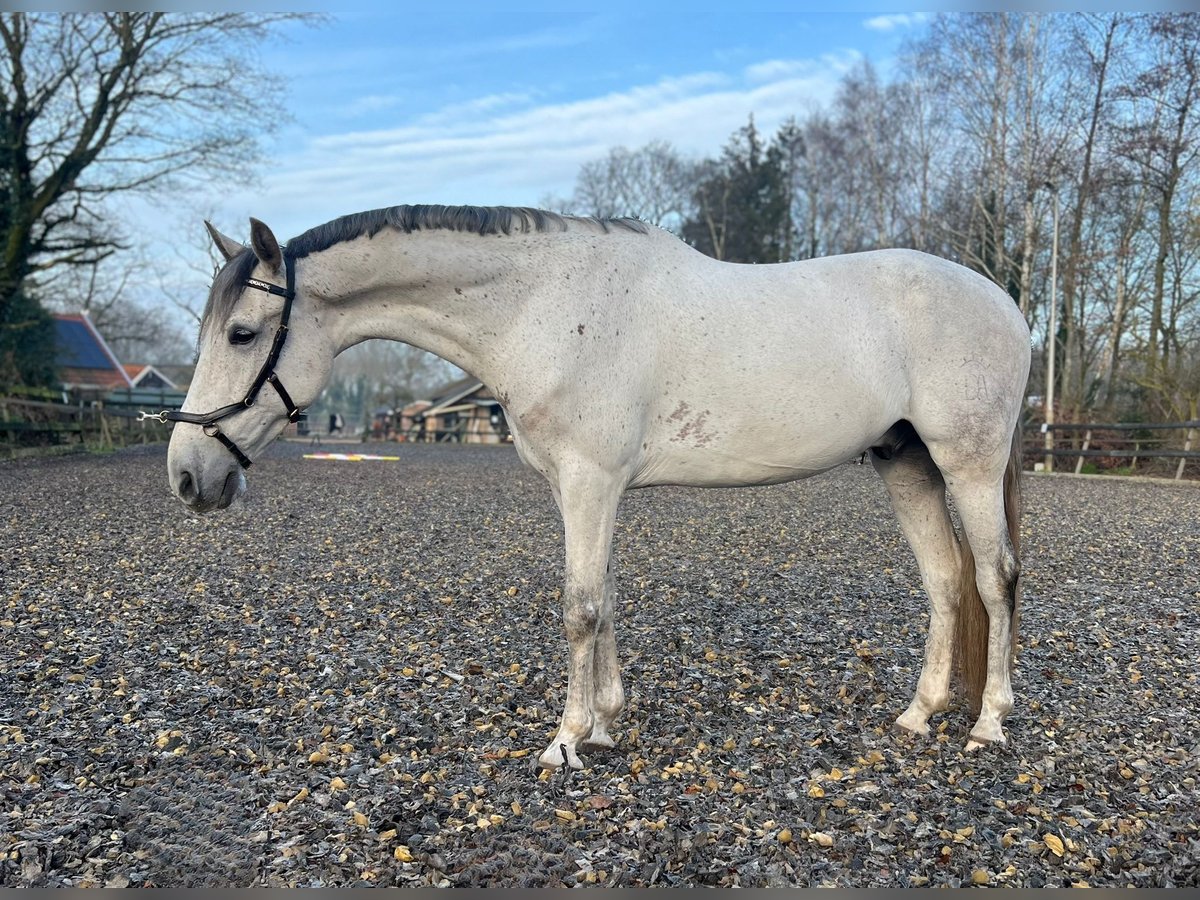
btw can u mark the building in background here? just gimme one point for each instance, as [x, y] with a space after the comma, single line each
[90, 371]
[464, 411]
[86, 364]
[149, 377]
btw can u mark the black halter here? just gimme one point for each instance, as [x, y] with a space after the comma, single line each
[266, 375]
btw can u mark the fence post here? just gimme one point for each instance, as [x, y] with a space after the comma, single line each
[1087, 439]
[1187, 445]
[106, 438]
[1048, 441]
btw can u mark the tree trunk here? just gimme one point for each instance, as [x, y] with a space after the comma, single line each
[1072, 374]
[1028, 140]
[1116, 328]
[1027, 251]
[1159, 357]
[999, 151]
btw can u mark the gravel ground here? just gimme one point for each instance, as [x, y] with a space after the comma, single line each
[346, 679]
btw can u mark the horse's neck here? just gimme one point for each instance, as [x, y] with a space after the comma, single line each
[451, 293]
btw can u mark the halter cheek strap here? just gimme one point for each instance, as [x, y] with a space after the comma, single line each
[266, 375]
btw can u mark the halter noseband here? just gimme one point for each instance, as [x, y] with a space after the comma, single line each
[266, 375]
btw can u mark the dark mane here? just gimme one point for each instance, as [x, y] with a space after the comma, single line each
[482, 220]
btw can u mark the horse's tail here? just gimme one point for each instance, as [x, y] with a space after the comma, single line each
[972, 637]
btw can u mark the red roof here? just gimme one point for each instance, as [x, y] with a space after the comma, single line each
[146, 375]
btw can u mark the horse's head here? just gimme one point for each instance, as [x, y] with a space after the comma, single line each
[260, 333]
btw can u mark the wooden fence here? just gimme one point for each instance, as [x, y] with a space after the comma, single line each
[35, 420]
[39, 419]
[1114, 445]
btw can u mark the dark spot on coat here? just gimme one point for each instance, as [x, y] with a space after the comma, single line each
[579, 328]
[680, 412]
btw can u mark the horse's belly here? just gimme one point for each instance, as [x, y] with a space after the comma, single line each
[769, 453]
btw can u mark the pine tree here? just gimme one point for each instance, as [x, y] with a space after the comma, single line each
[743, 202]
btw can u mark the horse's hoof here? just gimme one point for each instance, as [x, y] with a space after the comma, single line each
[920, 729]
[557, 755]
[976, 742]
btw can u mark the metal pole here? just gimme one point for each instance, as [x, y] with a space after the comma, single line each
[1052, 337]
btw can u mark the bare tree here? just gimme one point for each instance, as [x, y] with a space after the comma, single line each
[971, 60]
[826, 181]
[1037, 153]
[867, 114]
[652, 183]
[97, 104]
[1168, 147]
[924, 138]
[1121, 273]
[1092, 43]
[807, 156]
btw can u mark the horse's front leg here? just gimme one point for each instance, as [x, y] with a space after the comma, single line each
[588, 499]
[608, 694]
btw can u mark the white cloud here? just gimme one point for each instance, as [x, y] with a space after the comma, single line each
[509, 149]
[369, 104]
[447, 116]
[567, 36]
[784, 69]
[894, 21]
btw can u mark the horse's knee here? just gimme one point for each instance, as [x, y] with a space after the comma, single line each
[580, 618]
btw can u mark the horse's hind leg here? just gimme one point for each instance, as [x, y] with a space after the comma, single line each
[588, 500]
[979, 499]
[918, 495]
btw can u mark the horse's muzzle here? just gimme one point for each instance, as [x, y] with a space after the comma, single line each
[188, 490]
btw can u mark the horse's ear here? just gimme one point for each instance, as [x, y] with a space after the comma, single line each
[228, 246]
[266, 248]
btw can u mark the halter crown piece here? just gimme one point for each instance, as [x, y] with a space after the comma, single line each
[266, 375]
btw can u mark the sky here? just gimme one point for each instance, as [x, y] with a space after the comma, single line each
[462, 102]
[485, 103]
[467, 104]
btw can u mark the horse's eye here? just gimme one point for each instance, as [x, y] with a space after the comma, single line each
[241, 336]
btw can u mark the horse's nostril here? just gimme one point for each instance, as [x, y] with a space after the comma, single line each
[187, 486]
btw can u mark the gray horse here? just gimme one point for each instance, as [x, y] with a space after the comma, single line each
[623, 358]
